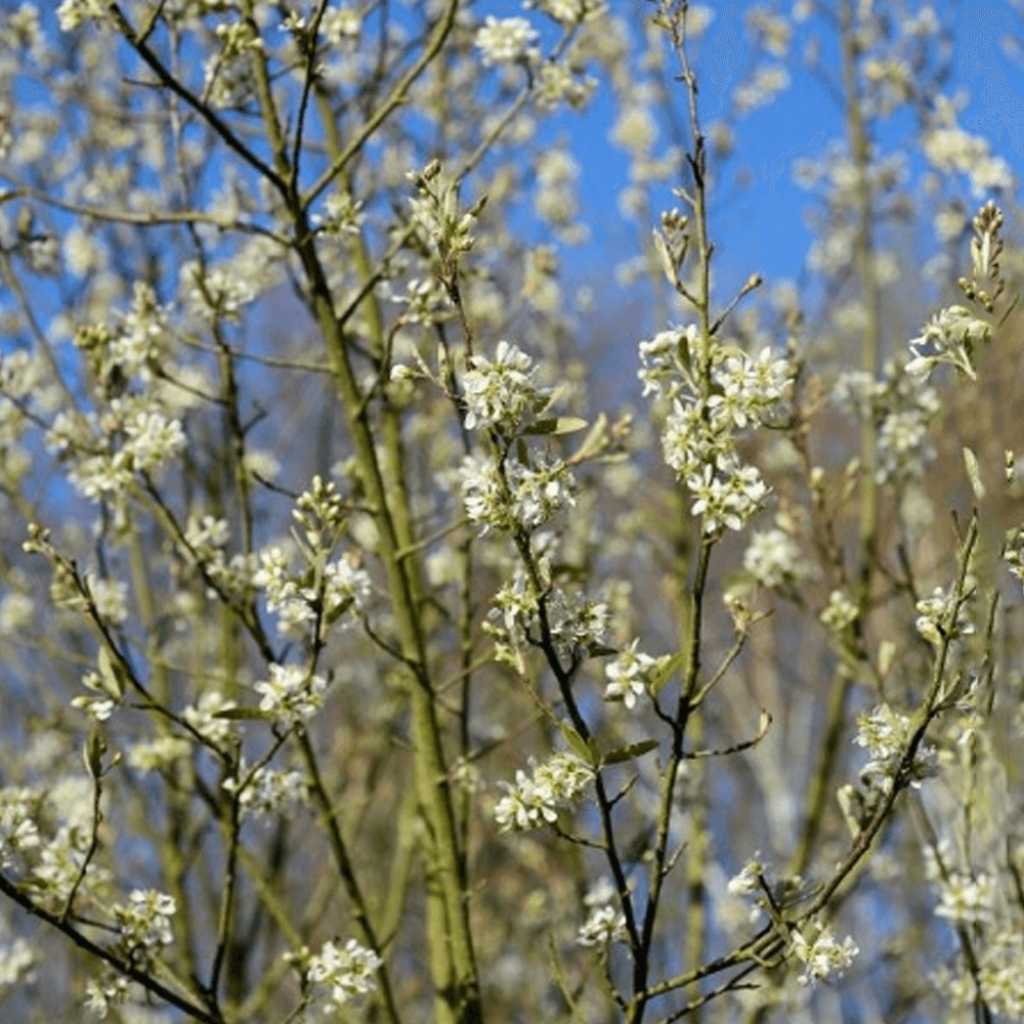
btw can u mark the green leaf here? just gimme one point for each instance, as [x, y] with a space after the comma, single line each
[113, 676]
[630, 752]
[577, 742]
[95, 748]
[667, 667]
[556, 425]
[239, 714]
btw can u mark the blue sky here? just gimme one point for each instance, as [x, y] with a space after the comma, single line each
[757, 214]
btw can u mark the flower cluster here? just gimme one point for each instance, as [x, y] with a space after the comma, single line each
[604, 926]
[144, 922]
[707, 419]
[514, 496]
[291, 695]
[267, 792]
[19, 832]
[337, 594]
[339, 974]
[502, 394]
[966, 899]
[902, 404]
[822, 956]
[950, 336]
[505, 40]
[939, 620]
[535, 800]
[773, 558]
[886, 735]
[628, 675]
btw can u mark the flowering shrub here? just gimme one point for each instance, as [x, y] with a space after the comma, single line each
[366, 658]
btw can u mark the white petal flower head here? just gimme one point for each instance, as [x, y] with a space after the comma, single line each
[291, 694]
[340, 974]
[628, 676]
[604, 926]
[505, 40]
[823, 957]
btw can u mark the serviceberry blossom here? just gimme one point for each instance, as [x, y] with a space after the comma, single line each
[604, 926]
[773, 558]
[707, 417]
[840, 611]
[577, 622]
[294, 597]
[514, 496]
[339, 974]
[72, 13]
[268, 792]
[750, 388]
[950, 336]
[291, 695]
[747, 882]
[504, 40]
[965, 899]
[886, 734]
[502, 393]
[203, 717]
[727, 494]
[19, 832]
[533, 801]
[903, 404]
[628, 676]
[823, 957]
[144, 921]
[935, 621]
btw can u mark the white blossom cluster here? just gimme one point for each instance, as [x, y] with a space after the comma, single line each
[823, 956]
[336, 593]
[144, 922]
[506, 40]
[338, 974]
[19, 832]
[886, 734]
[902, 404]
[936, 620]
[502, 393]
[535, 800]
[628, 675]
[513, 496]
[267, 792]
[964, 898]
[291, 695]
[575, 621]
[950, 336]
[203, 717]
[773, 558]
[705, 423]
[604, 926]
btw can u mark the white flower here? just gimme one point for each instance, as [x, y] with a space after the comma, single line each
[772, 558]
[628, 676]
[145, 921]
[18, 830]
[823, 957]
[338, 975]
[504, 40]
[267, 792]
[604, 926]
[291, 694]
[501, 393]
[533, 801]
[966, 900]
